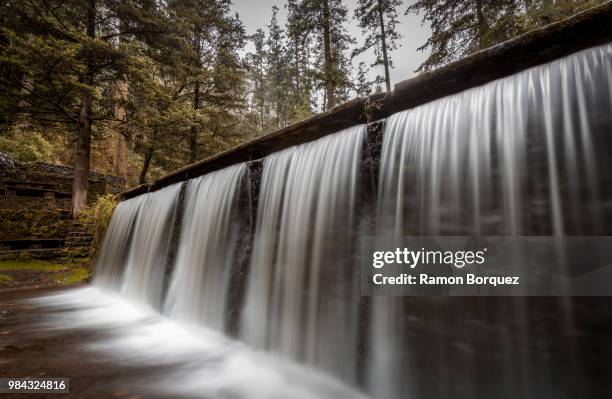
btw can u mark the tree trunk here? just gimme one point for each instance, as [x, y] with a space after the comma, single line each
[120, 165]
[262, 104]
[23, 120]
[145, 166]
[296, 72]
[482, 25]
[120, 158]
[193, 132]
[330, 86]
[279, 117]
[83, 144]
[384, 45]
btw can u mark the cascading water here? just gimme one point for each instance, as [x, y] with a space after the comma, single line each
[109, 265]
[134, 255]
[212, 243]
[302, 290]
[524, 155]
[146, 262]
[516, 156]
[210, 232]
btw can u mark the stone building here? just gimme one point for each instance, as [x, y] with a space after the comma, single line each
[35, 204]
[44, 186]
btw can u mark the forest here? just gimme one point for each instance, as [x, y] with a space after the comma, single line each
[138, 88]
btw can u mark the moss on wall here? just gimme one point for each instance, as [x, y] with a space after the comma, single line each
[18, 224]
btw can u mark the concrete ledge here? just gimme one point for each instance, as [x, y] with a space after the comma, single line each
[587, 29]
[133, 192]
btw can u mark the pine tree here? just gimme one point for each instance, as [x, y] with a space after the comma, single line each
[363, 86]
[324, 22]
[460, 28]
[102, 67]
[213, 71]
[300, 72]
[277, 72]
[378, 19]
[64, 61]
[257, 63]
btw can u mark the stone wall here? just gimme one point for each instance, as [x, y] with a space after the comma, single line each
[35, 203]
[43, 186]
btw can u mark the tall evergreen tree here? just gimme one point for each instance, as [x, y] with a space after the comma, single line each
[324, 20]
[165, 75]
[277, 72]
[364, 86]
[298, 48]
[458, 27]
[211, 38]
[378, 19]
[64, 61]
[258, 66]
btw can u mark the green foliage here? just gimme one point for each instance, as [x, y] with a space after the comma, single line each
[26, 147]
[460, 27]
[164, 75]
[290, 72]
[19, 272]
[96, 220]
[364, 86]
[97, 217]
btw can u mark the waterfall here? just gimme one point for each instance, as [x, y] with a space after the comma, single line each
[210, 233]
[524, 155]
[516, 156]
[146, 223]
[302, 290]
[116, 245]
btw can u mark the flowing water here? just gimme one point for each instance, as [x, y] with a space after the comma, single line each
[206, 253]
[521, 155]
[134, 257]
[524, 155]
[302, 289]
[184, 267]
[109, 265]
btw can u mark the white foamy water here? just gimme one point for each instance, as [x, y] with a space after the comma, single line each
[189, 362]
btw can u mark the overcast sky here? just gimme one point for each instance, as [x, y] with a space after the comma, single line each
[256, 14]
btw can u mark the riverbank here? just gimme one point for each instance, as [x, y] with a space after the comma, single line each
[36, 273]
